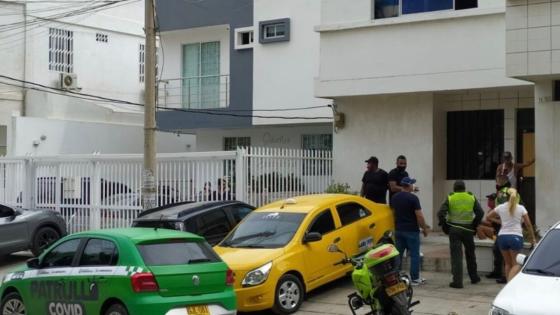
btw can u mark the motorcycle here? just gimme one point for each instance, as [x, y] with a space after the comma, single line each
[377, 277]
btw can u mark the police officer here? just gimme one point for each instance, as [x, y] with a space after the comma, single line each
[459, 216]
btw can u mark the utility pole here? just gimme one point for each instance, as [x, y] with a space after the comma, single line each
[149, 175]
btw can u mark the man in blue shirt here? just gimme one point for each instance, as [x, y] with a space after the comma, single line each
[408, 221]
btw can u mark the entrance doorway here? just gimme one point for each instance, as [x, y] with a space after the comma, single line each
[526, 152]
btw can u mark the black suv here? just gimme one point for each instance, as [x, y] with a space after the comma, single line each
[210, 219]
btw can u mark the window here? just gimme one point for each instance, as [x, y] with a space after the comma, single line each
[177, 253]
[202, 82]
[394, 8]
[61, 50]
[274, 31]
[62, 255]
[104, 38]
[244, 38]
[475, 142]
[351, 212]
[213, 225]
[99, 253]
[232, 143]
[239, 212]
[323, 223]
[316, 143]
[141, 62]
[546, 258]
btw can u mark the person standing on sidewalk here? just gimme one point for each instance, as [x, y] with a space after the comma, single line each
[510, 237]
[511, 169]
[408, 221]
[459, 217]
[396, 175]
[374, 182]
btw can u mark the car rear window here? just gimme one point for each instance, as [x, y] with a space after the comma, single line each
[177, 253]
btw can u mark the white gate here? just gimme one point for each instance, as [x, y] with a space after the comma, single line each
[104, 191]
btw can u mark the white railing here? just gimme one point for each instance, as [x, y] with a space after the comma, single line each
[104, 191]
[200, 92]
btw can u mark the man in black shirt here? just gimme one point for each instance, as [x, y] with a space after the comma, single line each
[375, 182]
[396, 175]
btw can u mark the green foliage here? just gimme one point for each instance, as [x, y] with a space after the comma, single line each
[339, 188]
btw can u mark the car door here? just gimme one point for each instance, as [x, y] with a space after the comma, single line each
[50, 285]
[238, 212]
[319, 262]
[95, 271]
[356, 230]
[213, 225]
[13, 231]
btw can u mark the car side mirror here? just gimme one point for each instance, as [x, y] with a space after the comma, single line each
[33, 263]
[312, 237]
[521, 259]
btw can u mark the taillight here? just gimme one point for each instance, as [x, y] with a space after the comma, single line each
[144, 282]
[230, 277]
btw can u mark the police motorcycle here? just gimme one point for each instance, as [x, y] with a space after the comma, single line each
[381, 286]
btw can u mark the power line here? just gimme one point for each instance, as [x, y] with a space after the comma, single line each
[92, 97]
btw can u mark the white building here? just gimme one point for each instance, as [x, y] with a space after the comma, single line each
[243, 60]
[102, 46]
[449, 84]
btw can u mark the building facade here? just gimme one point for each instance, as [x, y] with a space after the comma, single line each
[237, 72]
[446, 84]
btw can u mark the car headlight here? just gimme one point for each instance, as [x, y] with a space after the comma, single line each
[257, 276]
[498, 311]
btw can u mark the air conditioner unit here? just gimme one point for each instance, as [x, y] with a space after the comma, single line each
[68, 81]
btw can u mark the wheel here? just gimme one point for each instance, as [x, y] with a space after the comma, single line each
[116, 309]
[12, 304]
[400, 305]
[43, 238]
[289, 295]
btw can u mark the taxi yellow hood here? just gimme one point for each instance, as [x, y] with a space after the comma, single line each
[247, 258]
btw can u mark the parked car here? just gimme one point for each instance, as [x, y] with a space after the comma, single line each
[287, 242]
[535, 289]
[120, 272]
[34, 230]
[210, 219]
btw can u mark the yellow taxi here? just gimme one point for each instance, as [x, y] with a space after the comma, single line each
[279, 252]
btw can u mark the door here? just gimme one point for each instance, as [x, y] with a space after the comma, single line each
[213, 225]
[356, 229]
[13, 231]
[238, 212]
[94, 272]
[201, 75]
[50, 287]
[525, 153]
[319, 262]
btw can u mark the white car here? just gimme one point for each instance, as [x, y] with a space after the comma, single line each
[536, 289]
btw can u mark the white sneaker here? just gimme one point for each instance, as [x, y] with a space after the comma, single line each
[418, 282]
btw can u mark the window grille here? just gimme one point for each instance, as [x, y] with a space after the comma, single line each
[61, 50]
[142, 62]
[104, 38]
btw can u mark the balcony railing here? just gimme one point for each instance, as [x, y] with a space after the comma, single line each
[201, 92]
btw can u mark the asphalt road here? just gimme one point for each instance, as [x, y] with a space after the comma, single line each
[436, 297]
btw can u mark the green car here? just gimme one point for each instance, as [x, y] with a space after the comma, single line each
[122, 271]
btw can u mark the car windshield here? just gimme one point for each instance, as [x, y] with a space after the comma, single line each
[546, 258]
[264, 230]
[177, 253]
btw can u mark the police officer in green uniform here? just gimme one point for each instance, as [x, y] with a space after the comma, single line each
[459, 216]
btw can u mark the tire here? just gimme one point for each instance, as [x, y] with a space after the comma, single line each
[400, 305]
[43, 238]
[116, 309]
[288, 296]
[12, 304]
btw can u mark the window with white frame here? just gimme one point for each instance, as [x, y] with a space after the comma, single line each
[61, 50]
[274, 31]
[244, 37]
[141, 62]
[316, 143]
[393, 8]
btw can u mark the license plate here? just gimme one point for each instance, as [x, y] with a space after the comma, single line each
[198, 310]
[396, 289]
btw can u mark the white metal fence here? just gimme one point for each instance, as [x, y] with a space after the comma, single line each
[104, 191]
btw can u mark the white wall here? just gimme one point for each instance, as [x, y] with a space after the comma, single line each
[71, 137]
[446, 50]
[271, 137]
[283, 72]
[547, 166]
[386, 127]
